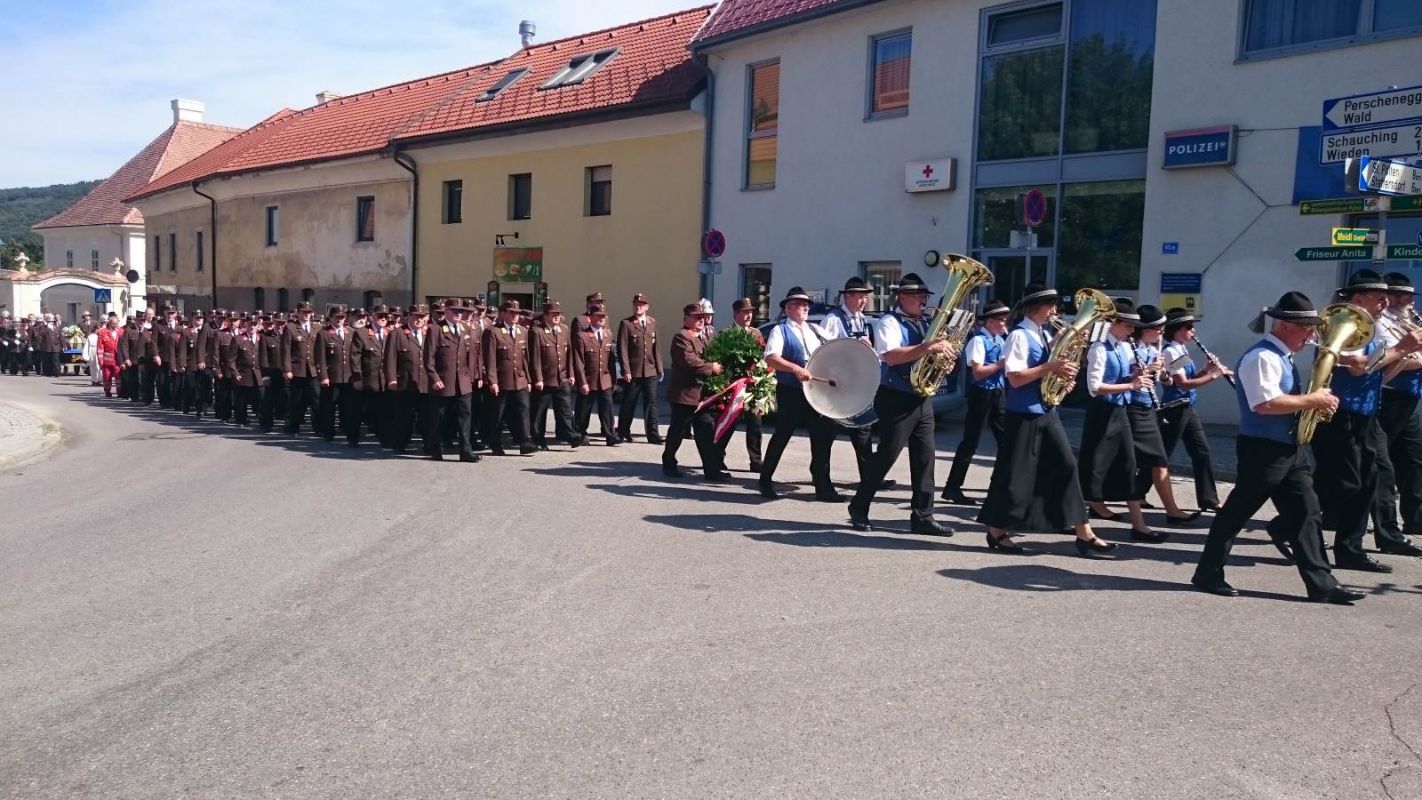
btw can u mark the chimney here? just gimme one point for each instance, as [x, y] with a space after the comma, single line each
[327, 96]
[187, 110]
[526, 31]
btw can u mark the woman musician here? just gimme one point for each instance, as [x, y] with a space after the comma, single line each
[1034, 484]
[1152, 462]
[1178, 420]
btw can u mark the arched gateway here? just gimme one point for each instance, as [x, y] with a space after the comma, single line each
[66, 292]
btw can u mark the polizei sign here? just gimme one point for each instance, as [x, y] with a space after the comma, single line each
[1201, 147]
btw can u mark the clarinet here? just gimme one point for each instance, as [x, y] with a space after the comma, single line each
[1216, 361]
[1141, 365]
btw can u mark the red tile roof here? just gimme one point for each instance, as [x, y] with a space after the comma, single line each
[104, 205]
[652, 67]
[738, 18]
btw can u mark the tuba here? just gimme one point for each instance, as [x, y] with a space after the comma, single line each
[1345, 327]
[1092, 306]
[950, 323]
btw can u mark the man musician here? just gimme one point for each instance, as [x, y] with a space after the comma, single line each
[787, 350]
[848, 321]
[1401, 391]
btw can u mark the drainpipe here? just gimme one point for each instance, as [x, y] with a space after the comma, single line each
[212, 204]
[706, 153]
[408, 164]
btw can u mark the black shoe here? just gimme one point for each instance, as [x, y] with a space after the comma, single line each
[1001, 544]
[719, 476]
[543, 446]
[471, 457]
[1109, 516]
[957, 498]
[829, 496]
[1217, 586]
[655, 439]
[613, 442]
[1403, 548]
[1089, 549]
[437, 456]
[768, 492]
[1187, 521]
[888, 483]
[1364, 564]
[478, 447]
[756, 468]
[575, 444]
[527, 449]
[624, 436]
[931, 527]
[498, 451]
[1338, 596]
[860, 522]
[672, 471]
[1285, 549]
[1148, 536]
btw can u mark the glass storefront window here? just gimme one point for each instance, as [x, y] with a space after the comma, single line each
[1101, 236]
[1112, 61]
[881, 276]
[994, 217]
[1020, 107]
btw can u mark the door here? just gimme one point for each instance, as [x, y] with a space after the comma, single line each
[1009, 271]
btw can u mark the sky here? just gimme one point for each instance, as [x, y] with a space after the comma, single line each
[89, 81]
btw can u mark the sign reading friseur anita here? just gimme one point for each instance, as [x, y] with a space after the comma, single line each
[1200, 147]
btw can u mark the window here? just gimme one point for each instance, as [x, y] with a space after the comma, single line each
[307, 295]
[172, 252]
[272, 226]
[371, 300]
[1111, 62]
[889, 74]
[881, 277]
[69, 258]
[93, 259]
[1020, 104]
[365, 219]
[994, 217]
[579, 69]
[599, 191]
[755, 285]
[763, 125]
[259, 298]
[157, 253]
[1016, 27]
[1100, 239]
[1278, 26]
[453, 202]
[201, 255]
[283, 300]
[502, 84]
[521, 196]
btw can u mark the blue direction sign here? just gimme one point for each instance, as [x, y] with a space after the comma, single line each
[1388, 177]
[103, 295]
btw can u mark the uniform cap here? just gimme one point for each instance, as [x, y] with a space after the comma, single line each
[552, 307]
[694, 309]
[595, 297]
[598, 310]
[303, 306]
[419, 310]
[380, 310]
[338, 309]
[509, 305]
[743, 304]
[640, 298]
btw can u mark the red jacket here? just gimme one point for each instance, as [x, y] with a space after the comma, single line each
[108, 347]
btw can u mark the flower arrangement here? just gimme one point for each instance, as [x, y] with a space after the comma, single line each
[745, 382]
[73, 335]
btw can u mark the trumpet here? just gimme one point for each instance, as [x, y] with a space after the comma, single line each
[1219, 365]
[1403, 324]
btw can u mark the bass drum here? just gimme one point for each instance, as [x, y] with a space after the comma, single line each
[853, 368]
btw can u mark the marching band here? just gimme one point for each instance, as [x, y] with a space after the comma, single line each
[460, 373]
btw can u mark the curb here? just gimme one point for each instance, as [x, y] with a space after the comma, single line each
[25, 436]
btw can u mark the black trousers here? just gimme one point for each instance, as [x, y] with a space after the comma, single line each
[132, 379]
[200, 391]
[405, 408]
[985, 408]
[368, 408]
[222, 398]
[458, 408]
[1404, 446]
[793, 412]
[904, 420]
[560, 399]
[603, 401]
[1034, 486]
[1351, 454]
[1182, 424]
[645, 390]
[301, 395]
[333, 398]
[508, 406]
[244, 398]
[150, 378]
[702, 426]
[50, 360]
[164, 384]
[273, 399]
[754, 433]
[1270, 470]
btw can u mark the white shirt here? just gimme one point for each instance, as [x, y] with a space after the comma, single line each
[976, 351]
[1096, 361]
[835, 328]
[1389, 330]
[1173, 351]
[889, 333]
[1260, 372]
[1019, 345]
[810, 335]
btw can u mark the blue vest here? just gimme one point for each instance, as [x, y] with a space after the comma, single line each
[1359, 394]
[793, 350]
[1027, 399]
[1409, 382]
[992, 353]
[867, 333]
[1145, 354]
[1173, 393]
[1278, 427]
[1118, 370]
[897, 377]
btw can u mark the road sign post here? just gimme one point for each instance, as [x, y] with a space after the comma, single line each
[1382, 123]
[103, 296]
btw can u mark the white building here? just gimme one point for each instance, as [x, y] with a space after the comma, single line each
[100, 227]
[825, 113]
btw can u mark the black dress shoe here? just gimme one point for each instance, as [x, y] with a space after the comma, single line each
[672, 471]
[888, 483]
[575, 444]
[1403, 548]
[1003, 545]
[930, 527]
[1148, 536]
[437, 456]
[1285, 549]
[655, 440]
[860, 522]
[1338, 596]
[957, 498]
[1109, 516]
[755, 468]
[829, 496]
[542, 446]
[624, 436]
[498, 451]
[1364, 564]
[1218, 587]
[527, 449]
[470, 458]
[613, 442]
[1089, 549]
[768, 492]
[719, 476]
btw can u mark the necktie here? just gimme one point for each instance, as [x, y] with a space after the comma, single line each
[305, 327]
[599, 335]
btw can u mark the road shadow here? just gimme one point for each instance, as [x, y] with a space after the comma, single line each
[1042, 578]
[789, 532]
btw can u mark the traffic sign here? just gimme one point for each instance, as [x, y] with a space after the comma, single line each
[103, 295]
[1342, 205]
[1354, 236]
[1034, 207]
[1395, 140]
[713, 244]
[1404, 252]
[1373, 109]
[1333, 253]
[1388, 177]
[1170, 248]
[1413, 203]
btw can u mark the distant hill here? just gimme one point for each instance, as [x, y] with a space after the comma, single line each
[23, 207]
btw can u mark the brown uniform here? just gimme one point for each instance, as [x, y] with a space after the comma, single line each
[171, 351]
[408, 381]
[241, 367]
[506, 367]
[274, 393]
[551, 362]
[452, 376]
[684, 392]
[298, 359]
[594, 369]
[641, 369]
[368, 404]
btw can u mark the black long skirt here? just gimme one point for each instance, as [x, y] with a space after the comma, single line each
[1108, 457]
[1149, 446]
[1034, 483]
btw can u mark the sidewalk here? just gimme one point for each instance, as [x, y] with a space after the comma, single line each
[24, 436]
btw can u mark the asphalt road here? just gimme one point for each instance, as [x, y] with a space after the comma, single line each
[190, 611]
